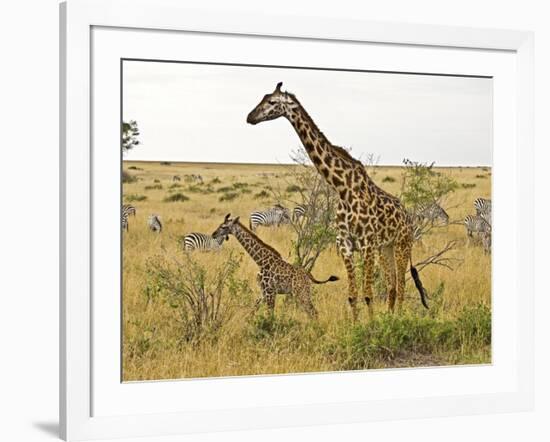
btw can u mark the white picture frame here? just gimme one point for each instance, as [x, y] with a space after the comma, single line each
[78, 378]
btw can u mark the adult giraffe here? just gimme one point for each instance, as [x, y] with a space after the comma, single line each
[368, 218]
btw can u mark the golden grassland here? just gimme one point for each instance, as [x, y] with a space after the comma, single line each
[451, 332]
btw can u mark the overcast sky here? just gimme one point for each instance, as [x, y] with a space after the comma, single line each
[188, 112]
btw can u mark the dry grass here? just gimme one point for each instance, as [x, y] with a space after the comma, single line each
[452, 332]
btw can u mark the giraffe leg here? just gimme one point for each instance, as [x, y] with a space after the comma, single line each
[402, 257]
[345, 248]
[307, 303]
[387, 260]
[368, 276]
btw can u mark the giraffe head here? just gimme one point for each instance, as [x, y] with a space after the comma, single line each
[225, 228]
[272, 106]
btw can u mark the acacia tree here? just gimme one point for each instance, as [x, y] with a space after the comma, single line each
[130, 134]
[314, 231]
[422, 185]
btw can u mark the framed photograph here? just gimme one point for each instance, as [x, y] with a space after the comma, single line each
[273, 221]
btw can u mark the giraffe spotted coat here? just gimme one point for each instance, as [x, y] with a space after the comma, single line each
[276, 276]
[369, 219]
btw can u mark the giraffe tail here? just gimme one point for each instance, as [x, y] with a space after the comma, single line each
[330, 279]
[419, 286]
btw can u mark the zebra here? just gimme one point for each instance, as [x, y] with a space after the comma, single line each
[432, 212]
[127, 210]
[483, 208]
[154, 223]
[486, 241]
[298, 212]
[275, 216]
[202, 242]
[476, 224]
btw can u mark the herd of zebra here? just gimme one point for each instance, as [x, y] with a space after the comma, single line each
[192, 178]
[477, 226]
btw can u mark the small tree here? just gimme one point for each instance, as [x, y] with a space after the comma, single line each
[422, 185]
[130, 134]
[315, 231]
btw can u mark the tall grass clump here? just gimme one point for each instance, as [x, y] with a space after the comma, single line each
[132, 197]
[128, 178]
[228, 196]
[176, 197]
[153, 187]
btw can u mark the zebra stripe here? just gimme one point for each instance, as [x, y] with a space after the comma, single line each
[432, 212]
[486, 242]
[483, 208]
[154, 223]
[202, 242]
[127, 210]
[476, 224]
[298, 212]
[273, 217]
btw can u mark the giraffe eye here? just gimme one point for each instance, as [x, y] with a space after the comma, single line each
[272, 102]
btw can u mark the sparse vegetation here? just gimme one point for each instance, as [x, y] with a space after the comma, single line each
[262, 195]
[161, 338]
[228, 196]
[388, 179]
[153, 187]
[132, 197]
[176, 197]
[128, 178]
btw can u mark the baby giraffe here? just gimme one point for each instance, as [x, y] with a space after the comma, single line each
[276, 276]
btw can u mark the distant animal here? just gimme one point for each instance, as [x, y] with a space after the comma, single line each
[127, 210]
[276, 216]
[176, 178]
[197, 178]
[483, 208]
[432, 212]
[154, 223]
[276, 276]
[202, 242]
[476, 224]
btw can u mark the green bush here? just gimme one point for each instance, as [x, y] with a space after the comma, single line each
[482, 177]
[225, 189]
[165, 163]
[174, 186]
[134, 168]
[389, 338]
[468, 185]
[156, 181]
[176, 197]
[388, 179]
[215, 181]
[154, 187]
[134, 197]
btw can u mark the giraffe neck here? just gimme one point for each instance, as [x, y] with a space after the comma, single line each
[332, 162]
[254, 246]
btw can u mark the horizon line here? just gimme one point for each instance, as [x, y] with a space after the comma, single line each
[289, 164]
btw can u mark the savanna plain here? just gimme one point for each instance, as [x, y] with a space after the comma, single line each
[168, 334]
